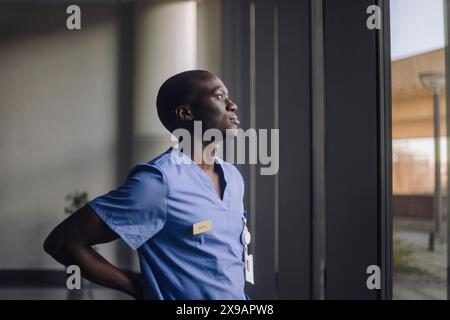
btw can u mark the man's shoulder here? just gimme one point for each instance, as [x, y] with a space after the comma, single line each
[150, 168]
[162, 159]
[169, 164]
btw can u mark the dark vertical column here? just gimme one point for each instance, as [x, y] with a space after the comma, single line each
[385, 150]
[294, 267]
[318, 151]
[352, 149]
[125, 91]
[236, 65]
[125, 111]
[264, 209]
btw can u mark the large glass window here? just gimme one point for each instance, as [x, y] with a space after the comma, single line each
[419, 149]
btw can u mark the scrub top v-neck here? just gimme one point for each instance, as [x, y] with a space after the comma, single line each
[208, 183]
[158, 211]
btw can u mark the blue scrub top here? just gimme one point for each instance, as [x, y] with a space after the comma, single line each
[154, 212]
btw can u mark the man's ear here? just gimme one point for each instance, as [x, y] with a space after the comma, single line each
[184, 113]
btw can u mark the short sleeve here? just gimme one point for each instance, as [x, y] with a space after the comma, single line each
[136, 210]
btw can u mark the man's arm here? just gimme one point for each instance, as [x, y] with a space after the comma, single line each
[70, 243]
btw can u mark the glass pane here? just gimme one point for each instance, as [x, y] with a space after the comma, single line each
[419, 149]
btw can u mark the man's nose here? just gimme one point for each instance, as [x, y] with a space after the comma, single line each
[231, 106]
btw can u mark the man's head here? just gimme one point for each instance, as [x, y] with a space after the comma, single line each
[196, 95]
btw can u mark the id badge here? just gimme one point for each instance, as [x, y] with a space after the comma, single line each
[249, 268]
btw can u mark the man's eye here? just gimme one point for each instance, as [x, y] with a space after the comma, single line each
[220, 97]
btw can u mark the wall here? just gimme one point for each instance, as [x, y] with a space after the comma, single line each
[58, 128]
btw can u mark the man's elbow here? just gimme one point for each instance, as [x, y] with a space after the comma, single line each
[49, 246]
[53, 246]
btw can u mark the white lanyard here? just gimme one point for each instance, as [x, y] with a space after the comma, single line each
[248, 258]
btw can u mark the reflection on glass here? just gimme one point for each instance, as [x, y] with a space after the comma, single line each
[419, 150]
[420, 255]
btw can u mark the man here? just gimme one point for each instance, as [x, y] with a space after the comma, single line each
[185, 219]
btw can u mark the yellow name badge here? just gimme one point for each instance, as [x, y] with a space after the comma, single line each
[202, 226]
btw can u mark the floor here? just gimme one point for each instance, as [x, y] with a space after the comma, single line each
[61, 294]
[430, 284]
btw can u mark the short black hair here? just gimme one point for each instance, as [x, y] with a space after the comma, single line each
[176, 91]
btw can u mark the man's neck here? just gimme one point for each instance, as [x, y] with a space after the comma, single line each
[205, 160]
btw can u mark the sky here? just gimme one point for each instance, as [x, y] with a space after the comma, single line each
[417, 26]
